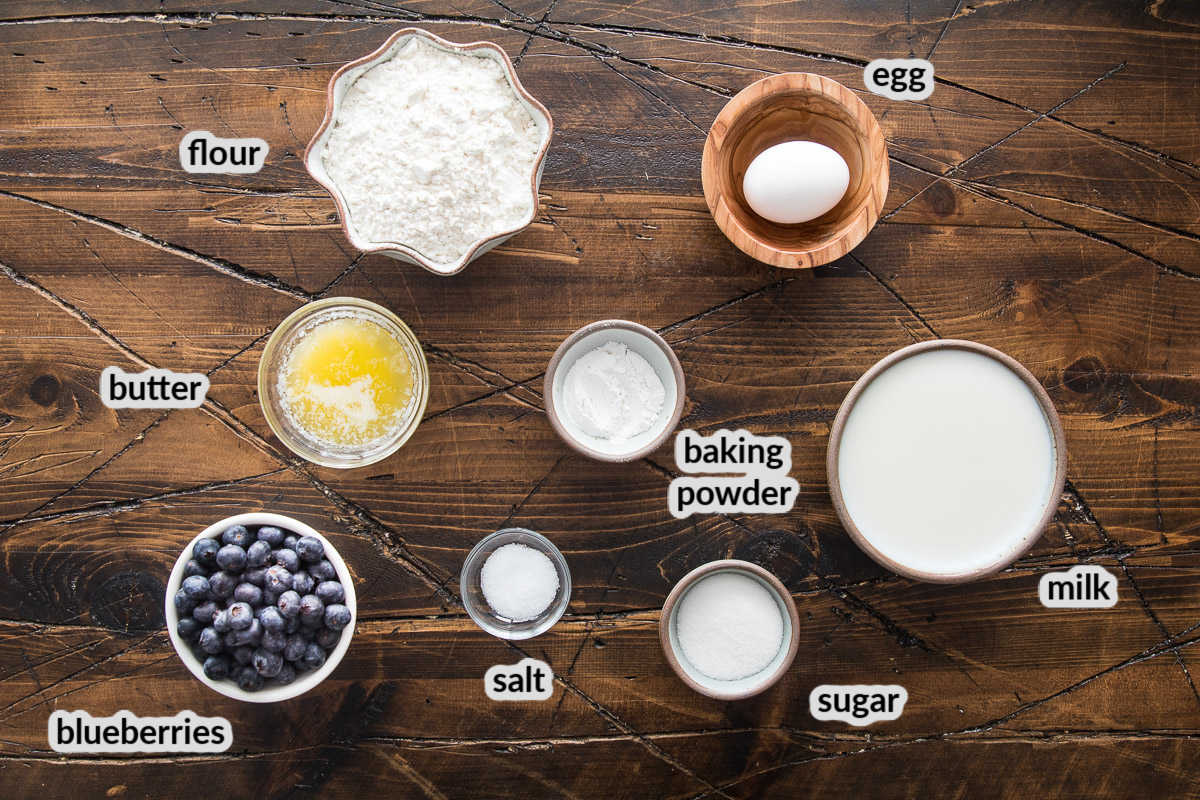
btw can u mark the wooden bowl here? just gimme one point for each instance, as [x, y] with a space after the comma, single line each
[795, 105]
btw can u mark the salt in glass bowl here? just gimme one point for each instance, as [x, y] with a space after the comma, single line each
[470, 585]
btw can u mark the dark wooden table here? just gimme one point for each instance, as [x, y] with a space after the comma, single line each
[1044, 201]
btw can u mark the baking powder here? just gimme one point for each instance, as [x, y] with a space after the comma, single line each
[432, 149]
[613, 393]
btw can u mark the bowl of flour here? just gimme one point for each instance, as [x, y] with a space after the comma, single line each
[432, 150]
[614, 390]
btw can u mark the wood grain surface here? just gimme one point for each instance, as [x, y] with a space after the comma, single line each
[1045, 200]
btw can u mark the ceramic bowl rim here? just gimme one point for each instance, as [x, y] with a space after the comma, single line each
[303, 682]
[379, 55]
[549, 396]
[667, 619]
[1057, 435]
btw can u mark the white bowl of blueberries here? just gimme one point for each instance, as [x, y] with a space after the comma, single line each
[260, 607]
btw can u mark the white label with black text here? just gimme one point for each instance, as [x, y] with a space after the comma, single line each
[762, 464]
[528, 679]
[125, 732]
[900, 78]
[203, 152]
[858, 704]
[152, 388]
[1083, 586]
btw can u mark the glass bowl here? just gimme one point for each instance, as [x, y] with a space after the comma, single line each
[472, 590]
[275, 354]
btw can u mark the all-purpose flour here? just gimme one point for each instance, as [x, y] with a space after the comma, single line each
[432, 149]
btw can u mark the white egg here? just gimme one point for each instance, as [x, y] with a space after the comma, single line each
[795, 181]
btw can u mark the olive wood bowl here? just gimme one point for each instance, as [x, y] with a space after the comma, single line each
[780, 108]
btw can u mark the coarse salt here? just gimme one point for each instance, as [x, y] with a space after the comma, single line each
[729, 626]
[612, 392]
[518, 582]
[434, 150]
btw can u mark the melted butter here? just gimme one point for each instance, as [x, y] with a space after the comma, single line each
[347, 382]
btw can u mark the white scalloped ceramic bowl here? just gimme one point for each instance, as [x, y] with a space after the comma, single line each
[304, 681]
[338, 86]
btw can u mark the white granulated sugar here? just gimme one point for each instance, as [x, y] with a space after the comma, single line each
[518, 582]
[612, 392]
[729, 626]
[432, 149]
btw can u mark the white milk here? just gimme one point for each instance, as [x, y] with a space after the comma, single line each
[946, 461]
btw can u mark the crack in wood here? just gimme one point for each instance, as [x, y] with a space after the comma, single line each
[221, 265]
[957, 168]
[1171, 644]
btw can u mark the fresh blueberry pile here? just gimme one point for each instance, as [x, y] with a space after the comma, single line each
[261, 605]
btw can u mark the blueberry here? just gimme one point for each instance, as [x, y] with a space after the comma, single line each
[331, 592]
[270, 598]
[221, 621]
[222, 584]
[323, 570]
[258, 554]
[271, 535]
[311, 607]
[243, 655]
[193, 567]
[287, 674]
[240, 616]
[216, 668]
[205, 552]
[237, 534]
[279, 578]
[327, 638]
[196, 587]
[287, 559]
[271, 619]
[337, 616]
[294, 647]
[210, 641]
[274, 642]
[303, 583]
[290, 540]
[183, 603]
[267, 663]
[313, 657]
[258, 577]
[205, 612]
[310, 549]
[187, 628]
[248, 679]
[251, 635]
[289, 604]
[231, 558]
[248, 593]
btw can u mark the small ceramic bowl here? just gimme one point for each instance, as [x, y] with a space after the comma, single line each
[305, 680]
[745, 687]
[472, 590]
[1018, 546]
[275, 355]
[780, 108]
[341, 82]
[650, 346]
